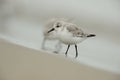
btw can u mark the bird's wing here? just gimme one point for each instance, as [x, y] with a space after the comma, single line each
[75, 30]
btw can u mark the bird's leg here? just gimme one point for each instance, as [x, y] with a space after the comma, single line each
[76, 51]
[67, 50]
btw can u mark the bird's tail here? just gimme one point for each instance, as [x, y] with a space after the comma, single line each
[91, 35]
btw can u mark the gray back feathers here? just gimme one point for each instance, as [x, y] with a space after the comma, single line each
[75, 30]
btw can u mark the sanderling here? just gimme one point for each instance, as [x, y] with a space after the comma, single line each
[52, 35]
[70, 34]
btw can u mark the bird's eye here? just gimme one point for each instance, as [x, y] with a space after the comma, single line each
[57, 26]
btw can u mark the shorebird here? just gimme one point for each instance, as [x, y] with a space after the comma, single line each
[70, 34]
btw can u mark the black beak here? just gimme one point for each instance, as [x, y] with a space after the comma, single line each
[51, 30]
[91, 35]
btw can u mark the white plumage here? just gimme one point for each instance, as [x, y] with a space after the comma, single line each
[69, 33]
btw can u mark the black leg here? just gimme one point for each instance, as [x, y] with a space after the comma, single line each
[67, 50]
[76, 51]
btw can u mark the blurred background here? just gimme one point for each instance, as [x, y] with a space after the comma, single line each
[22, 21]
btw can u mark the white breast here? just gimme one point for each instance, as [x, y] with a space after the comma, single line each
[67, 37]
